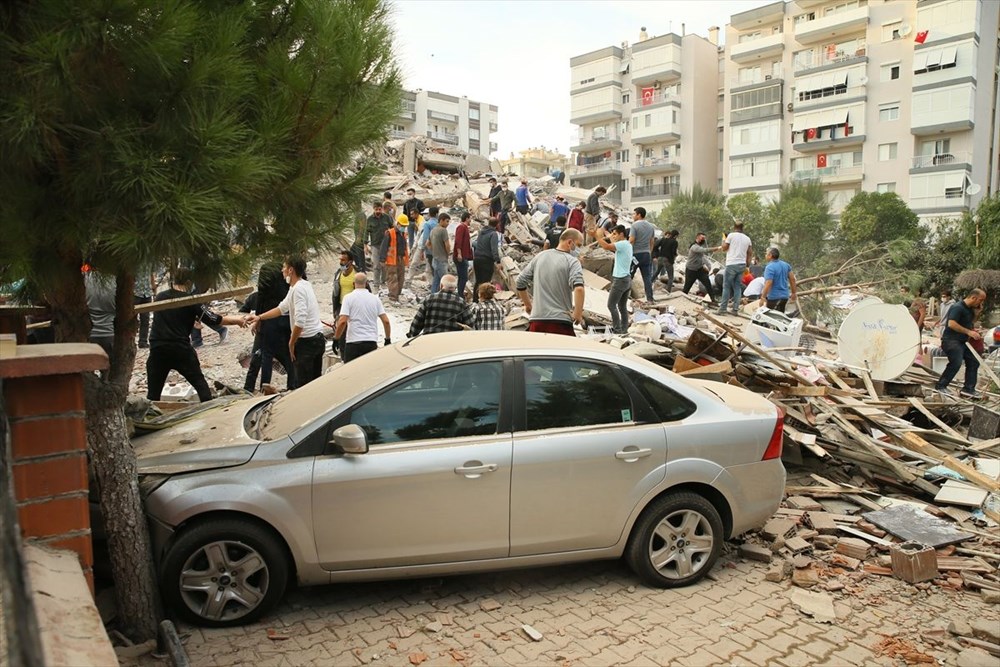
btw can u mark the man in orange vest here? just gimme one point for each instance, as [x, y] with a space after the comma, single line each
[395, 253]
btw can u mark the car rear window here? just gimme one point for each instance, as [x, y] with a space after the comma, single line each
[667, 403]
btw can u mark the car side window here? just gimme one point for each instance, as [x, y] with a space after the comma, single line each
[452, 402]
[568, 392]
[667, 403]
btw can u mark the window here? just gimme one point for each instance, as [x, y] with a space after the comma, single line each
[934, 60]
[889, 112]
[561, 393]
[936, 147]
[886, 152]
[885, 187]
[889, 72]
[720, 154]
[648, 120]
[668, 404]
[586, 81]
[473, 114]
[890, 31]
[673, 116]
[453, 402]
[803, 18]
[625, 98]
[635, 122]
[399, 128]
[473, 133]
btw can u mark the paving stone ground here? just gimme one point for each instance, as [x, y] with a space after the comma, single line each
[592, 614]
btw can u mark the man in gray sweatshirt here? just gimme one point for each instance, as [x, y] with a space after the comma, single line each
[556, 300]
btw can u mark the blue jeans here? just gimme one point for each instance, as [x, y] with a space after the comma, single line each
[462, 271]
[957, 352]
[645, 262]
[732, 285]
[618, 303]
[439, 268]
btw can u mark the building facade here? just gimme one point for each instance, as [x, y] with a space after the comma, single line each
[448, 120]
[867, 95]
[535, 163]
[647, 118]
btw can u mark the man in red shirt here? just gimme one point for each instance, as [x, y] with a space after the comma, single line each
[462, 254]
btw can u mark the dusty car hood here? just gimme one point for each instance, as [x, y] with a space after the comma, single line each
[214, 438]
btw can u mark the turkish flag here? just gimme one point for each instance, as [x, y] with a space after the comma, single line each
[921, 37]
[821, 160]
[811, 133]
[647, 96]
[847, 130]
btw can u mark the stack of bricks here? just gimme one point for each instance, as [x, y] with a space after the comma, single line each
[43, 401]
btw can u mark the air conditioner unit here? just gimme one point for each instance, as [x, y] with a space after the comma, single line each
[656, 85]
[790, 106]
[767, 77]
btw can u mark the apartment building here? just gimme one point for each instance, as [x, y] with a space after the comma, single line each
[875, 95]
[535, 162]
[448, 120]
[646, 117]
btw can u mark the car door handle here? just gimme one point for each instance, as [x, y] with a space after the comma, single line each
[476, 470]
[630, 455]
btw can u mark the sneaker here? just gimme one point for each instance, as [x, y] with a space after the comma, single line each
[944, 392]
[223, 335]
[971, 395]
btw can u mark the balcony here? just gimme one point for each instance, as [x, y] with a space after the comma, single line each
[597, 141]
[658, 97]
[595, 168]
[832, 25]
[400, 134]
[941, 203]
[828, 95]
[754, 18]
[653, 165]
[658, 191]
[755, 49]
[493, 126]
[444, 137]
[663, 71]
[845, 55]
[440, 115]
[941, 162]
[745, 80]
[408, 110]
[595, 113]
[834, 174]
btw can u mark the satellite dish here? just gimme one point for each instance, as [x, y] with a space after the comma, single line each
[881, 337]
[867, 301]
[863, 81]
[904, 29]
[973, 189]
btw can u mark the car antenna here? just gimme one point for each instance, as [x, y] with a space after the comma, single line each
[410, 340]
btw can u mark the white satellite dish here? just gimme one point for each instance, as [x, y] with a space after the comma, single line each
[863, 81]
[880, 337]
[973, 189]
[867, 301]
[904, 29]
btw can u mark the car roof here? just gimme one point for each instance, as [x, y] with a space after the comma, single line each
[435, 346]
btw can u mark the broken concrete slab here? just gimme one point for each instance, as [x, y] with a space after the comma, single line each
[817, 605]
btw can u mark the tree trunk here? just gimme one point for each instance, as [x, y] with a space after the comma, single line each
[112, 456]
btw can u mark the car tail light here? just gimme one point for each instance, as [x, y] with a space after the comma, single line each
[996, 336]
[773, 450]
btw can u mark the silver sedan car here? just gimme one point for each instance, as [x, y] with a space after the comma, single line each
[456, 453]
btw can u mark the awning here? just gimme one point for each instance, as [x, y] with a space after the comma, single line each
[919, 61]
[803, 122]
[933, 58]
[948, 56]
[954, 180]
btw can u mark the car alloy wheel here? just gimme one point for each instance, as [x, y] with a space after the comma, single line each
[676, 540]
[225, 572]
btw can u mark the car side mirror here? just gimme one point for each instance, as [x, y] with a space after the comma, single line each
[351, 439]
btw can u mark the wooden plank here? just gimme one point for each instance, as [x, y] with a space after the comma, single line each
[717, 367]
[207, 297]
[839, 381]
[983, 365]
[817, 390]
[918, 444]
[985, 444]
[919, 405]
[682, 364]
[863, 535]
[867, 379]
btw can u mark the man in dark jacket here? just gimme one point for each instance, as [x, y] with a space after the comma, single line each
[665, 252]
[378, 224]
[485, 255]
[412, 207]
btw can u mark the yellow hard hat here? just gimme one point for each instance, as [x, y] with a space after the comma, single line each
[402, 219]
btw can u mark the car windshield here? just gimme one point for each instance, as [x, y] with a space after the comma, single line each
[297, 408]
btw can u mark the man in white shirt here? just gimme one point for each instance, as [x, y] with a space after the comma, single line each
[359, 315]
[307, 343]
[738, 252]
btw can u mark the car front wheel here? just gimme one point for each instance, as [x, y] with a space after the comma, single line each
[224, 572]
[676, 540]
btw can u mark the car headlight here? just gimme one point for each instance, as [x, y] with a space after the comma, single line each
[150, 483]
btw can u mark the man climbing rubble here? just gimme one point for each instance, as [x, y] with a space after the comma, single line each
[958, 329]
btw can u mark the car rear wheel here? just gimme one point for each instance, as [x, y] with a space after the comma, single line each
[224, 572]
[676, 540]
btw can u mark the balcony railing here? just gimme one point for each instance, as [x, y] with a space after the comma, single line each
[941, 201]
[400, 134]
[835, 172]
[444, 137]
[838, 23]
[958, 157]
[493, 127]
[657, 98]
[746, 79]
[596, 137]
[665, 162]
[440, 115]
[821, 56]
[603, 165]
[658, 190]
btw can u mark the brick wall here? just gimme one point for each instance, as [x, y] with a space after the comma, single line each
[43, 401]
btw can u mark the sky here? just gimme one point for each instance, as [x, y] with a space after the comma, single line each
[515, 53]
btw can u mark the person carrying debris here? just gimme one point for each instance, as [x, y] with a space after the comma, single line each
[378, 224]
[307, 343]
[556, 301]
[395, 254]
[698, 261]
[439, 246]
[592, 210]
[412, 207]
[779, 282]
[621, 276]
[523, 199]
[169, 339]
[487, 313]
[486, 256]
[442, 311]
[360, 315]
[958, 330]
[738, 249]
